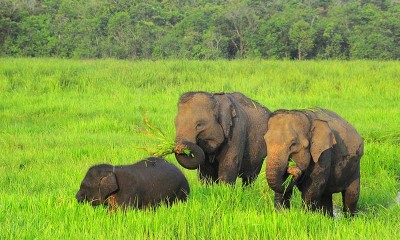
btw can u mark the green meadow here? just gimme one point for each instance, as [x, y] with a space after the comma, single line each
[59, 117]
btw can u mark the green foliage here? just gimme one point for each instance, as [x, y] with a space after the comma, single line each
[59, 117]
[201, 30]
[301, 35]
[35, 38]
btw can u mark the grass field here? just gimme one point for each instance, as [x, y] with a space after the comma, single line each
[59, 117]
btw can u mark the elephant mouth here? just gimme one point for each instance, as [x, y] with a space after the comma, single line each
[209, 146]
[95, 202]
[295, 172]
[82, 198]
[283, 175]
[292, 169]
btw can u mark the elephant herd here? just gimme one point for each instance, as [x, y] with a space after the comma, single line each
[229, 135]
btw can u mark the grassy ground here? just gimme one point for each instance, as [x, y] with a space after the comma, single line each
[59, 117]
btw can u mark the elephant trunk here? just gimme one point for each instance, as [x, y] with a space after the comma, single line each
[190, 160]
[276, 173]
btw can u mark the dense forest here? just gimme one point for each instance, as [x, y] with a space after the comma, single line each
[201, 29]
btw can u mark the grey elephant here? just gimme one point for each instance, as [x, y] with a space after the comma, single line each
[224, 133]
[146, 183]
[326, 150]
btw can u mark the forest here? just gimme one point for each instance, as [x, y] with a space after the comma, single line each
[201, 29]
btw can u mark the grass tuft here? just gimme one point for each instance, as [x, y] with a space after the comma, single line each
[165, 144]
[391, 137]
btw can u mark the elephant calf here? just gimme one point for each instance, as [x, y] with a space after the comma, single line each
[327, 152]
[143, 184]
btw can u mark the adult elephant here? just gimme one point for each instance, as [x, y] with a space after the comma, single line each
[327, 152]
[224, 133]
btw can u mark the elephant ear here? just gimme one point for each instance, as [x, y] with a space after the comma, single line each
[226, 112]
[108, 185]
[322, 138]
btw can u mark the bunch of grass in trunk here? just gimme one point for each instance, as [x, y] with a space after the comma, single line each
[289, 179]
[165, 144]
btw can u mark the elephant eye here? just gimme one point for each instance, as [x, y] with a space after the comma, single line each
[292, 145]
[199, 125]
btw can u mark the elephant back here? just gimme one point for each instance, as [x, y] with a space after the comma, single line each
[248, 103]
[344, 132]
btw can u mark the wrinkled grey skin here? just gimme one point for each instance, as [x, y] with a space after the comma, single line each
[224, 132]
[146, 183]
[327, 150]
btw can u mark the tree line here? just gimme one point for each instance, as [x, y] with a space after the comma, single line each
[201, 29]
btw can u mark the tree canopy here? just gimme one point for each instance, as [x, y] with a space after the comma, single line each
[201, 29]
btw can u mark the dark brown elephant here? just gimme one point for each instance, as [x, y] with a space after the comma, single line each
[327, 152]
[224, 132]
[146, 183]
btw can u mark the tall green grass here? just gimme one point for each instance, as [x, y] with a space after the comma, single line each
[59, 117]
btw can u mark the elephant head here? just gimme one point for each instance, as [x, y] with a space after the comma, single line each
[294, 135]
[202, 124]
[99, 183]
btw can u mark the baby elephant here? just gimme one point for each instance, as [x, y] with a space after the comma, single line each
[144, 184]
[326, 150]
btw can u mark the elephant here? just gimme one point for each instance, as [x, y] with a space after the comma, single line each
[147, 183]
[224, 133]
[326, 150]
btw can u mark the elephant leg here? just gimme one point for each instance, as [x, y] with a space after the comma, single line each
[311, 201]
[227, 174]
[227, 177]
[208, 173]
[327, 205]
[282, 201]
[314, 186]
[228, 169]
[248, 180]
[310, 204]
[350, 197]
